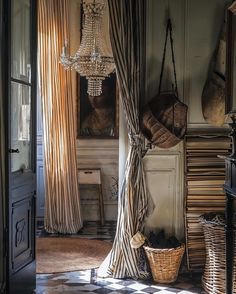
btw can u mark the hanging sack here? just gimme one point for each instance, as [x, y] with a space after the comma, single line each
[213, 94]
[164, 119]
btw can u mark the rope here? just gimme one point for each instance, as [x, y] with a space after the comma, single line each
[168, 29]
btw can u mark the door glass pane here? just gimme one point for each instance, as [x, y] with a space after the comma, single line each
[20, 127]
[20, 40]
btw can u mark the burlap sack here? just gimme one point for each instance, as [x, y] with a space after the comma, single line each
[213, 100]
[213, 94]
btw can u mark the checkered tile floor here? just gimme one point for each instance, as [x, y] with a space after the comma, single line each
[90, 230]
[88, 282]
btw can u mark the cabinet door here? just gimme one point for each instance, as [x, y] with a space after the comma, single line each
[165, 187]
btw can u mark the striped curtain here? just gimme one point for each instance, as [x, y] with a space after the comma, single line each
[127, 25]
[62, 202]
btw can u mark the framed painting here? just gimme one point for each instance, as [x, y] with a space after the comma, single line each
[98, 115]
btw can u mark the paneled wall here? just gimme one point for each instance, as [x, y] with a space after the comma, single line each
[202, 31]
[101, 154]
[196, 28]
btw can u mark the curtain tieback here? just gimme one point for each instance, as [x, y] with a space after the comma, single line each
[137, 240]
[135, 140]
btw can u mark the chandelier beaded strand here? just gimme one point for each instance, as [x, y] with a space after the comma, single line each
[92, 60]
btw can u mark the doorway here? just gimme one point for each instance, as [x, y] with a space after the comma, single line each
[18, 68]
[91, 154]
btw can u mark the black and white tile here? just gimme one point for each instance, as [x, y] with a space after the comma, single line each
[88, 282]
[90, 230]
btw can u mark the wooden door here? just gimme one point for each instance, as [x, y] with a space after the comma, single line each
[21, 181]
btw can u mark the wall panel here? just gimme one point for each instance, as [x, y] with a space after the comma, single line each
[203, 24]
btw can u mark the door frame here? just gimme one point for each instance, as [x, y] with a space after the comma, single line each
[6, 78]
[3, 154]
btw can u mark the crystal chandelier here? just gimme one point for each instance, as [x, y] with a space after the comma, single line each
[92, 60]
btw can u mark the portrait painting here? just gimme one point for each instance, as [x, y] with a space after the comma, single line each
[98, 115]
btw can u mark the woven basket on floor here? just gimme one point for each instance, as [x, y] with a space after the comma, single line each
[213, 279]
[164, 263]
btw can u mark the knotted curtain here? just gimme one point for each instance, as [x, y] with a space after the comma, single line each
[127, 32]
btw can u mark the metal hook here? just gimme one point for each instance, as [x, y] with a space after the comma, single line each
[168, 10]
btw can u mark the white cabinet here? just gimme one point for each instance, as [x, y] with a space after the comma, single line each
[164, 177]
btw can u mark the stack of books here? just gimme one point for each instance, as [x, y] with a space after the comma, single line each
[204, 179]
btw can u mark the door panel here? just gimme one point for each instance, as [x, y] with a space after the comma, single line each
[23, 185]
[20, 40]
[22, 227]
[40, 190]
[21, 94]
[20, 127]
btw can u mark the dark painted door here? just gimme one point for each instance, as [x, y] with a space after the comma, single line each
[21, 96]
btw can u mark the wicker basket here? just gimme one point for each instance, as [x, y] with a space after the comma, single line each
[164, 263]
[213, 279]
